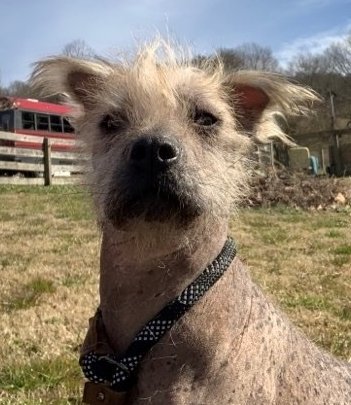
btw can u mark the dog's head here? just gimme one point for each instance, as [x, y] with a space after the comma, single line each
[170, 141]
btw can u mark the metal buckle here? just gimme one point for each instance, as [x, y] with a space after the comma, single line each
[115, 363]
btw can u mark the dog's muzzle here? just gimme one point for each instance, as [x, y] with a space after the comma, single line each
[154, 185]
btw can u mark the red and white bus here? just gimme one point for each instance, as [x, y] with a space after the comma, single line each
[38, 118]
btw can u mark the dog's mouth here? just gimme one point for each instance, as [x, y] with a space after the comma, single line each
[160, 199]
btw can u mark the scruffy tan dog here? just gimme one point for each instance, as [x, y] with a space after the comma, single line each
[170, 145]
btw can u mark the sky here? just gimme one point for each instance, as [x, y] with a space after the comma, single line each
[33, 29]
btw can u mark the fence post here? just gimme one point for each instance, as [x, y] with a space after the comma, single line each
[271, 150]
[47, 162]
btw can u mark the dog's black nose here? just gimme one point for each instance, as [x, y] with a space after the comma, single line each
[154, 154]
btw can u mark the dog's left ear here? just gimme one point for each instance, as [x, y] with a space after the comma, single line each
[254, 96]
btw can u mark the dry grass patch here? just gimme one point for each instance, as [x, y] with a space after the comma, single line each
[49, 273]
[48, 290]
[303, 260]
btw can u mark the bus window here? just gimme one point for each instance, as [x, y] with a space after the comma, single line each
[55, 123]
[67, 127]
[42, 122]
[28, 120]
[4, 121]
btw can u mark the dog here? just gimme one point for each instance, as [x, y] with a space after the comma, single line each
[170, 142]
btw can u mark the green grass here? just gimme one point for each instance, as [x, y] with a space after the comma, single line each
[29, 294]
[36, 374]
[334, 234]
[343, 250]
[311, 302]
[49, 258]
[74, 280]
[46, 377]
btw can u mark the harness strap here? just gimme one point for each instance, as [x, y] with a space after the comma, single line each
[102, 366]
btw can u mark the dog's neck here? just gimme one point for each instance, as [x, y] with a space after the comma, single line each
[134, 290]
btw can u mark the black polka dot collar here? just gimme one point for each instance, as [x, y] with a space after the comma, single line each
[118, 372]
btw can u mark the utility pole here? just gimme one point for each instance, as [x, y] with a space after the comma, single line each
[332, 95]
[336, 140]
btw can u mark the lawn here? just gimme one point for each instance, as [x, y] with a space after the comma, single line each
[49, 247]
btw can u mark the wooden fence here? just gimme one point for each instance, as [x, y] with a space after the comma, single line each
[35, 162]
[331, 147]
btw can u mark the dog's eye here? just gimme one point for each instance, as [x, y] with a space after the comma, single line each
[111, 123]
[204, 118]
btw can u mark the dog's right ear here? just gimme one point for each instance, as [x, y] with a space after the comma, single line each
[78, 79]
[256, 97]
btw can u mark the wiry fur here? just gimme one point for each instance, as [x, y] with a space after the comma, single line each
[153, 91]
[233, 346]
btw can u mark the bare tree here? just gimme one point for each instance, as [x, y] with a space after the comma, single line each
[78, 49]
[249, 56]
[257, 57]
[22, 89]
[339, 55]
[309, 64]
[335, 59]
[2, 88]
[18, 88]
[329, 73]
[231, 59]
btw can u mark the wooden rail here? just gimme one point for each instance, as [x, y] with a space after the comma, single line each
[37, 158]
